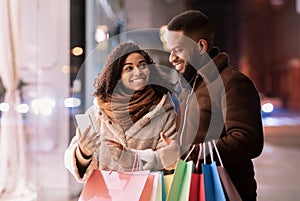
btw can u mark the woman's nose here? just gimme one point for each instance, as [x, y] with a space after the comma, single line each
[137, 71]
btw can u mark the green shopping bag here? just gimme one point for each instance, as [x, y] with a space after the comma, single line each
[180, 186]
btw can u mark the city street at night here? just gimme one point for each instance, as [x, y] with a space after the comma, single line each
[122, 63]
[277, 168]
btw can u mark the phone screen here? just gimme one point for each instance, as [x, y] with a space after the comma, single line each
[83, 122]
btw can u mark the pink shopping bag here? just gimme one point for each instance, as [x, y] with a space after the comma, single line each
[114, 186]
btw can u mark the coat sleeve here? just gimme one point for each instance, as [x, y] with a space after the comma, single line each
[72, 165]
[71, 162]
[243, 139]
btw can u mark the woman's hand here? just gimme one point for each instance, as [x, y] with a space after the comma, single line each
[115, 148]
[88, 143]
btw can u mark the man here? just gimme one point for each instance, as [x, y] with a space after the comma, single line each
[217, 101]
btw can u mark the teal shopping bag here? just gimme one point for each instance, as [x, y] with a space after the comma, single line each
[163, 189]
[208, 183]
[212, 183]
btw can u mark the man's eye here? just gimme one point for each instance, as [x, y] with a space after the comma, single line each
[177, 50]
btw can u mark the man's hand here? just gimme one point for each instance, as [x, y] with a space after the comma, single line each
[170, 153]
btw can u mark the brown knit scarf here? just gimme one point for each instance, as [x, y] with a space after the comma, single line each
[126, 108]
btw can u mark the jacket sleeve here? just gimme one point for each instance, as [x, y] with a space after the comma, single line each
[72, 165]
[71, 162]
[243, 139]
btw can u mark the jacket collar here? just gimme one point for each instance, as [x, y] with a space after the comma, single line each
[210, 71]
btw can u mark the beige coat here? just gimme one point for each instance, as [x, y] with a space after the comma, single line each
[143, 137]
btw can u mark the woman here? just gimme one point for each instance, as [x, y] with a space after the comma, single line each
[133, 108]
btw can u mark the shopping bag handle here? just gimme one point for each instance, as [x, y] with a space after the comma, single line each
[199, 156]
[202, 147]
[217, 151]
[211, 153]
[193, 147]
[204, 153]
[136, 162]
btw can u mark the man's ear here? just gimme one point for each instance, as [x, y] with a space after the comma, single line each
[202, 46]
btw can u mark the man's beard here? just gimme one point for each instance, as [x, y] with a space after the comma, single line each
[195, 63]
[192, 67]
[189, 72]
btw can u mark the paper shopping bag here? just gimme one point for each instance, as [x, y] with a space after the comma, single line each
[202, 189]
[219, 192]
[212, 183]
[156, 193]
[229, 188]
[147, 191]
[95, 188]
[180, 186]
[186, 183]
[116, 185]
[163, 188]
[195, 186]
[197, 192]
[197, 182]
[167, 184]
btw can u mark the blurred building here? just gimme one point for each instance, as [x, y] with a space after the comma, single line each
[261, 37]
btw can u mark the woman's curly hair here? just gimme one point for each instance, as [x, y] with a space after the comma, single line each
[111, 74]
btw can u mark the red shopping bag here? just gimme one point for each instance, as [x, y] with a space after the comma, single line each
[197, 192]
[195, 186]
[202, 188]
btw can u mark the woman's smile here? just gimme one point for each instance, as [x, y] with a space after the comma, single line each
[135, 74]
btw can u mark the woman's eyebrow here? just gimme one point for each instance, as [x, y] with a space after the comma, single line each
[141, 61]
[127, 64]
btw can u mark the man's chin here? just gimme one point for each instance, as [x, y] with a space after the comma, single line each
[189, 72]
[180, 69]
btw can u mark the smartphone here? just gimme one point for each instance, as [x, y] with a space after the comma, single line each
[83, 122]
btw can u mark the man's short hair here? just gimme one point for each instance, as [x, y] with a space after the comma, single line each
[193, 22]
